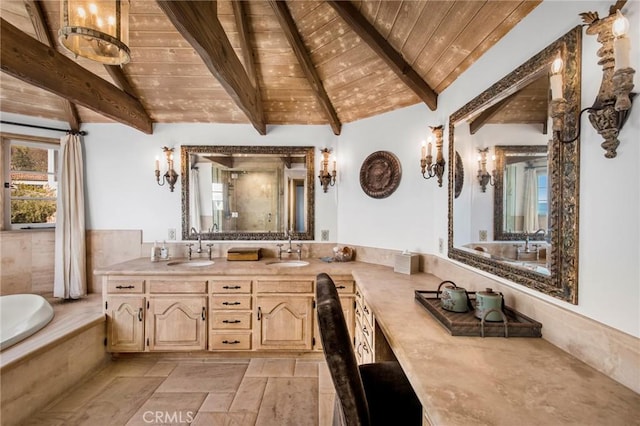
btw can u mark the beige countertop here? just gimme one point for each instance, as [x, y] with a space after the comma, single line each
[459, 380]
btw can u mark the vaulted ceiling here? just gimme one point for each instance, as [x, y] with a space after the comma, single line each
[261, 62]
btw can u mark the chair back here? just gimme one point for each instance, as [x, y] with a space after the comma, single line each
[339, 355]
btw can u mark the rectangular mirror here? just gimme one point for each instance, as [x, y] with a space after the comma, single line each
[527, 231]
[247, 192]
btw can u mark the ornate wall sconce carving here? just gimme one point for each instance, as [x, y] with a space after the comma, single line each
[611, 108]
[484, 177]
[326, 177]
[170, 177]
[428, 167]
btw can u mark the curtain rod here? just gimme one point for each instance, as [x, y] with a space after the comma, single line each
[82, 132]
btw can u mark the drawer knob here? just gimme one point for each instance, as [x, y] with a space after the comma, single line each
[340, 286]
[231, 321]
[120, 287]
[230, 303]
[232, 342]
[231, 287]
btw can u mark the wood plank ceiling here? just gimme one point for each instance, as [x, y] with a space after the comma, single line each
[335, 63]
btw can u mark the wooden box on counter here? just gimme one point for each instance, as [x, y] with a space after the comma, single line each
[244, 253]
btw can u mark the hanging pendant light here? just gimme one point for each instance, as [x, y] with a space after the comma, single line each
[96, 29]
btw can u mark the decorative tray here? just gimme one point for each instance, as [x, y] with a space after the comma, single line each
[466, 324]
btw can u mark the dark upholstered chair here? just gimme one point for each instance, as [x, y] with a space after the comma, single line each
[369, 394]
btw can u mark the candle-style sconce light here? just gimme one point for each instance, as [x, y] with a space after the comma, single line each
[326, 177]
[484, 177]
[428, 167]
[610, 110]
[170, 177]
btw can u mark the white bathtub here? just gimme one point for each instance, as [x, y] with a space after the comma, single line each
[21, 315]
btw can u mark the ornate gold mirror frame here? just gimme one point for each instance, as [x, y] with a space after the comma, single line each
[564, 165]
[256, 153]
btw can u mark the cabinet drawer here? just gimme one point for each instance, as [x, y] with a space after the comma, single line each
[358, 313]
[288, 286]
[177, 286]
[230, 320]
[125, 285]
[230, 286]
[345, 286]
[239, 302]
[367, 333]
[367, 312]
[358, 295]
[229, 341]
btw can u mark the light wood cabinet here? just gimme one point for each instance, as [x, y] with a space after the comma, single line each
[125, 323]
[177, 324]
[230, 323]
[284, 322]
[218, 313]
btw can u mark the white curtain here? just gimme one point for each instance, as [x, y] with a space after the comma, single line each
[70, 254]
[530, 200]
[194, 199]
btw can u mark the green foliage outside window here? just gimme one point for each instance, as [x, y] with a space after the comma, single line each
[38, 210]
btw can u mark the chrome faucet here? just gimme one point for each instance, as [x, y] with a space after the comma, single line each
[194, 231]
[533, 234]
[290, 249]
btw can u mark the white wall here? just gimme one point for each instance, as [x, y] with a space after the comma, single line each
[415, 216]
[122, 193]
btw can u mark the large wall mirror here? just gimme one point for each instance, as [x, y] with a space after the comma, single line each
[527, 230]
[247, 192]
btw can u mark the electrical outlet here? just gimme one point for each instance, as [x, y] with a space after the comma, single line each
[234, 214]
[483, 235]
[171, 234]
[324, 235]
[441, 245]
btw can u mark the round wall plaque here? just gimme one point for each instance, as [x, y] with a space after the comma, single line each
[458, 176]
[380, 174]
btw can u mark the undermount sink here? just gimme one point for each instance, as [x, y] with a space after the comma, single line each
[191, 263]
[288, 263]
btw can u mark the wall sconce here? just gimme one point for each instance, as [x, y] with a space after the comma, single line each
[484, 177]
[170, 176]
[96, 29]
[327, 178]
[430, 169]
[611, 108]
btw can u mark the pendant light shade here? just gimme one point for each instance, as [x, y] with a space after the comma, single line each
[96, 30]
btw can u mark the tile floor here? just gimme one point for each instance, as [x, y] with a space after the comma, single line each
[258, 391]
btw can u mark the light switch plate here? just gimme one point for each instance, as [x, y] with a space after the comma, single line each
[324, 235]
[483, 235]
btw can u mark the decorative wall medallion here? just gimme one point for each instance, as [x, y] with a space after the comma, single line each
[380, 174]
[459, 176]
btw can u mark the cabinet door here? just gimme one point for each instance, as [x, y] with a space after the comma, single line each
[284, 322]
[125, 323]
[177, 324]
[348, 309]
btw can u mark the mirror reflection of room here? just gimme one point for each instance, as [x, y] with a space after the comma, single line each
[231, 192]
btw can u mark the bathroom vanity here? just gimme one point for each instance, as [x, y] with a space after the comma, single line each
[226, 306]
[256, 307]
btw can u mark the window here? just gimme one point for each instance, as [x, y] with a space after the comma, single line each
[30, 182]
[543, 203]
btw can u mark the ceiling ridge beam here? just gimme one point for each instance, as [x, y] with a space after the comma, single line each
[197, 22]
[368, 33]
[31, 61]
[43, 33]
[295, 40]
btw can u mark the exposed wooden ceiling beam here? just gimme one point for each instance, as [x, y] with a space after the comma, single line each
[31, 61]
[381, 46]
[240, 15]
[486, 115]
[295, 40]
[43, 33]
[246, 45]
[197, 22]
